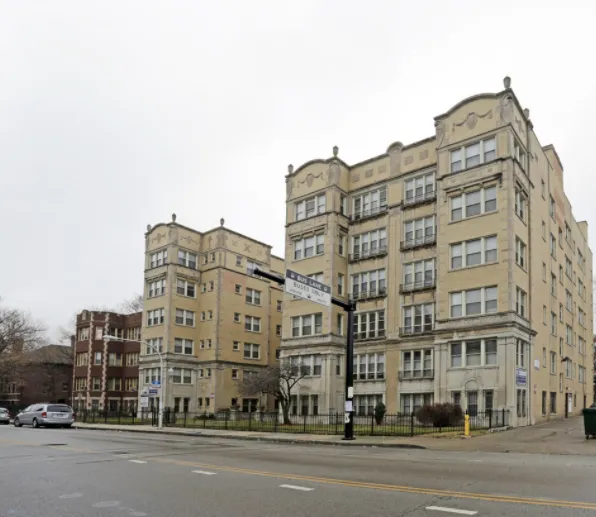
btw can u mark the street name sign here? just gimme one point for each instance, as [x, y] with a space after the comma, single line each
[307, 288]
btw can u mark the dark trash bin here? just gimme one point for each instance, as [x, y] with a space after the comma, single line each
[590, 422]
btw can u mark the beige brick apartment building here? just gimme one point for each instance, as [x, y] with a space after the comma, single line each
[212, 318]
[473, 278]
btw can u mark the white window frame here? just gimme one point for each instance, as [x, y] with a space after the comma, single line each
[369, 203]
[420, 268]
[158, 258]
[487, 359]
[254, 351]
[185, 258]
[252, 324]
[408, 364]
[312, 321]
[251, 266]
[376, 277]
[486, 146]
[370, 324]
[369, 244]
[253, 296]
[316, 243]
[362, 370]
[483, 300]
[186, 288]
[420, 225]
[155, 317]
[521, 302]
[156, 288]
[425, 183]
[153, 344]
[185, 375]
[520, 253]
[462, 249]
[301, 211]
[409, 312]
[183, 316]
[184, 345]
[460, 203]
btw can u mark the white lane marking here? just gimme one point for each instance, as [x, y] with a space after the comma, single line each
[204, 472]
[296, 487]
[70, 496]
[137, 461]
[450, 510]
[106, 504]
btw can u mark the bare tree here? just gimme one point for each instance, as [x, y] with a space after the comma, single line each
[135, 304]
[18, 335]
[277, 381]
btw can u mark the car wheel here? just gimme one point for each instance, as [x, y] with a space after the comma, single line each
[35, 423]
[17, 423]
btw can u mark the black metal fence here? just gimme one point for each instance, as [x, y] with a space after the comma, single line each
[330, 424]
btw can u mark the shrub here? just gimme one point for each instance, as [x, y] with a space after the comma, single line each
[440, 415]
[380, 411]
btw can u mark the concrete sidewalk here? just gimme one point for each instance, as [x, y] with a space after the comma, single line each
[564, 436]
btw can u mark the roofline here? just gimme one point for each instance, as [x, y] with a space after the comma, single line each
[277, 257]
[551, 147]
[317, 160]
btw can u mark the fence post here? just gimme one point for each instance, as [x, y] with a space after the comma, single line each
[185, 413]
[490, 418]
[503, 418]
[412, 424]
[304, 425]
[336, 421]
[372, 425]
[133, 416]
[275, 423]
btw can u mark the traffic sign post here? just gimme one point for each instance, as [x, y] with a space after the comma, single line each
[309, 289]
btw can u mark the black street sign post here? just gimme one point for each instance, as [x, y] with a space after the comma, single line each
[309, 289]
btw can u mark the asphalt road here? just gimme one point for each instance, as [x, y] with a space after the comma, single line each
[63, 473]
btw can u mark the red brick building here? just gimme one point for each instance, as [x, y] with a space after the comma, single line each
[106, 373]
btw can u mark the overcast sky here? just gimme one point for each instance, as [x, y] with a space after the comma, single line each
[115, 114]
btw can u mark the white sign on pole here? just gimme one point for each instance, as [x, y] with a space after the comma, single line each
[307, 288]
[144, 402]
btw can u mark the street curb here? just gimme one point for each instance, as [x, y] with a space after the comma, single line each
[259, 438]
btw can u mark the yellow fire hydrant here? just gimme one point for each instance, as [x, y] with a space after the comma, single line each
[467, 425]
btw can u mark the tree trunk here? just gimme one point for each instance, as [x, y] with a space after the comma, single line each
[285, 408]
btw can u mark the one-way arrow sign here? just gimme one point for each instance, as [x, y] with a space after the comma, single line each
[307, 288]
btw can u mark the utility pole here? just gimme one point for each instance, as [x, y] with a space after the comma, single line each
[349, 307]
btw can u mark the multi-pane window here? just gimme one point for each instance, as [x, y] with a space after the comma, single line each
[185, 317]
[369, 203]
[520, 252]
[474, 154]
[340, 284]
[252, 324]
[187, 258]
[581, 260]
[185, 288]
[155, 317]
[114, 384]
[159, 258]
[419, 274]
[569, 369]
[307, 325]
[369, 283]
[473, 301]
[343, 210]
[369, 244]
[519, 154]
[340, 324]
[581, 345]
[82, 359]
[253, 296]
[568, 335]
[419, 231]
[364, 405]
[97, 358]
[251, 266]
[368, 325]
[553, 363]
[252, 351]
[83, 334]
[182, 376]
[568, 301]
[154, 345]
[420, 188]
[412, 402]
[581, 289]
[418, 318]
[310, 207]
[157, 288]
[521, 203]
[310, 364]
[152, 375]
[553, 246]
[80, 383]
[309, 246]
[132, 359]
[114, 359]
[474, 252]
[473, 203]
[369, 366]
[131, 384]
[568, 267]
[183, 346]
[417, 364]
[520, 302]
[341, 245]
[581, 374]
[476, 352]
[553, 284]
